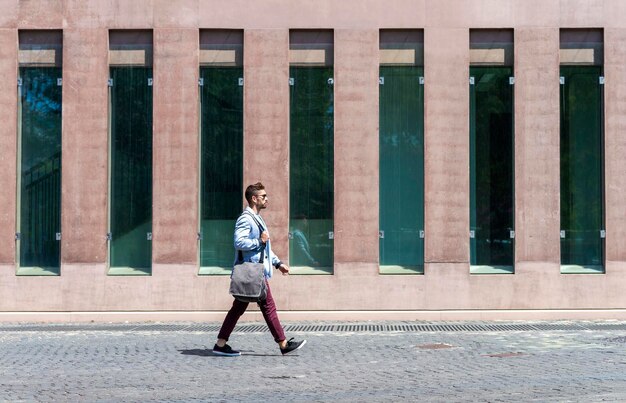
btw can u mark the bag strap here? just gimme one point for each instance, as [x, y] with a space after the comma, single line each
[240, 254]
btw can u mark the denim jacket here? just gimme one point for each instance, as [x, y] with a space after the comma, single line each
[247, 239]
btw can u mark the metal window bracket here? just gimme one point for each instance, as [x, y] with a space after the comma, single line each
[290, 235]
[201, 82]
[18, 236]
[240, 81]
[602, 233]
[512, 234]
[421, 80]
[511, 80]
[57, 236]
[292, 81]
[472, 80]
[199, 236]
[149, 236]
[381, 234]
[150, 81]
[472, 234]
[110, 82]
[422, 234]
[562, 80]
[331, 235]
[601, 80]
[562, 234]
[109, 236]
[331, 81]
[381, 80]
[19, 82]
[59, 82]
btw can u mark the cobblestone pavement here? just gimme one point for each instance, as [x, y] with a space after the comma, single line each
[127, 365]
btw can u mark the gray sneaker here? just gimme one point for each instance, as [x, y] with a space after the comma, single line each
[226, 351]
[292, 346]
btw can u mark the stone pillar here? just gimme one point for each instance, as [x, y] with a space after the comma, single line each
[176, 142]
[8, 143]
[356, 147]
[537, 125]
[615, 145]
[84, 146]
[266, 126]
[446, 144]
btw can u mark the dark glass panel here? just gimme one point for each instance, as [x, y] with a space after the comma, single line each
[40, 168]
[581, 166]
[311, 167]
[401, 164]
[491, 167]
[222, 162]
[131, 167]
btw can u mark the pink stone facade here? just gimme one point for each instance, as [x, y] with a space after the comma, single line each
[356, 290]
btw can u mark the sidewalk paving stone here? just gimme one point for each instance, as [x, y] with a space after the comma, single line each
[162, 363]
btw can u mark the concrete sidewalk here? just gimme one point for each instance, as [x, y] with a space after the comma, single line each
[173, 362]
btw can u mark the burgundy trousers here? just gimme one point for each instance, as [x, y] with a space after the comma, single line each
[268, 308]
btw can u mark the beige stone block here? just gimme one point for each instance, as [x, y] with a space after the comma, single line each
[401, 57]
[487, 56]
[577, 56]
[8, 143]
[176, 142]
[130, 57]
[310, 57]
[221, 57]
[84, 146]
[40, 57]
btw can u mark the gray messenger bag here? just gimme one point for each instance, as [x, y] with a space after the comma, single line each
[247, 283]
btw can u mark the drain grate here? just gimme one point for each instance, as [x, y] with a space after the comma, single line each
[315, 328]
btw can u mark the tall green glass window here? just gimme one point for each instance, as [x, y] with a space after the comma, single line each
[581, 145]
[130, 217]
[39, 180]
[491, 152]
[401, 153]
[222, 165]
[311, 180]
[221, 147]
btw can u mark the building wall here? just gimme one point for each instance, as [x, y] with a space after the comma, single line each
[356, 290]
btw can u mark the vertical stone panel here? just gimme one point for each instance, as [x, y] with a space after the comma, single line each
[615, 143]
[266, 126]
[537, 125]
[446, 144]
[40, 14]
[175, 139]
[356, 146]
[179, 13]
[84, 146]
[8, 17]
[8, 143]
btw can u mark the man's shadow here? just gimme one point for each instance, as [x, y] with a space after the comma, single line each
[205, 352]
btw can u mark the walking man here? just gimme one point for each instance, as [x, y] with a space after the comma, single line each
[252, 239]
